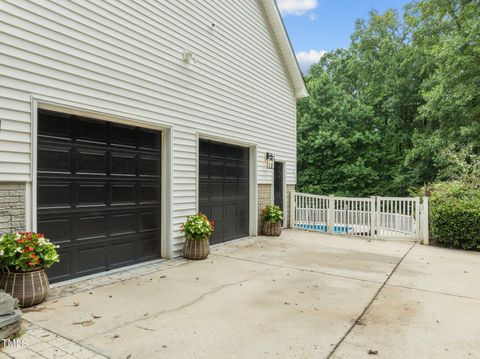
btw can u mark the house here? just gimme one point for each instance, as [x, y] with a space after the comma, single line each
[119, 119]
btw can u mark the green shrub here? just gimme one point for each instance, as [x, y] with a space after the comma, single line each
[272, 213]
[455, 213]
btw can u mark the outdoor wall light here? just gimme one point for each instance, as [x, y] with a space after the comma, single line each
[270, 159]
[189, 58]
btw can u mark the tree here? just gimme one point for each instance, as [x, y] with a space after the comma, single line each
[334, 131]
[399, 108]
[447, 33]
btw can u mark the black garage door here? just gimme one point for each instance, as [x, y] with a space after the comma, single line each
[223, 193]
[98, 193]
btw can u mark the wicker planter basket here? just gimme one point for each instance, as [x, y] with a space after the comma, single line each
[30, 288]
[272, 229]
[196, 249]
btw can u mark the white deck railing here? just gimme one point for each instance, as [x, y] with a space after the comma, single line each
[378, 217]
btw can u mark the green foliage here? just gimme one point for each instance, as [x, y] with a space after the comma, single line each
[399, 108]
[272, 213]
[455, 213]
[198, 227]
[27, 251]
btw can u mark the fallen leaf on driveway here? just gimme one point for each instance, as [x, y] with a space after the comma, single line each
[35, 309]
[144, 328]
[372, 352]
[360, 322]
[85, 323]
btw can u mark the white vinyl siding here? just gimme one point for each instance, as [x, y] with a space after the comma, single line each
[127, 56]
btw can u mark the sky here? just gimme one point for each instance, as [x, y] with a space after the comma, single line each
[316, 26]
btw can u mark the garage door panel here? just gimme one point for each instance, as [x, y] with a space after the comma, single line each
[215, 150]
[90, 227]
[90, 259]
[124, 136]
[202, 193]
[215, 192]
[123, 193]
[54, 159]
[63, 269]
[216, 170]
[230, 153]
[123, 164]
[105, 210]
[203, 169]
[92, 131]
[231, 230]
[149, 139]
[149, 220]
[243, 172]
[54, 194]
[242, 211]
[231, 210]
[122, 253]
[148, 246]
[204, 150]
[88, 194]
[223, 190]
[123, 223]
[231, 191]
[231, 171]
[242, 191]
[57, 229]
[149, 192]
[55, 125]
[148, 166]
[88, 162]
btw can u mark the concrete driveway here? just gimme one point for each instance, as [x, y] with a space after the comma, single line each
[304, 295]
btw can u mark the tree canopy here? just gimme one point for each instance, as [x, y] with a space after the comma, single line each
[398, 109]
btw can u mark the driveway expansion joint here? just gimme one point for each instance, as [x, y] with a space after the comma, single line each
[359, 318]
[433, 291]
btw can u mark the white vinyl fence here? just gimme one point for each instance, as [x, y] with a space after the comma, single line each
[376, 217]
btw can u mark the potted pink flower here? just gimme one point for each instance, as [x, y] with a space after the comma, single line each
[23, 258]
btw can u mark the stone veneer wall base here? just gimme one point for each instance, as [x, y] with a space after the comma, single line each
[12, 207]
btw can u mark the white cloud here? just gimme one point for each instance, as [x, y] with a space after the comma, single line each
[296, 7]
[308, 58]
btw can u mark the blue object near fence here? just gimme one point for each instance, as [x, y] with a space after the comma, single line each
[324, 228]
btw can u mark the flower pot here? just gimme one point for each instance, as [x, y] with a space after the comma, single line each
[272, 229]
[30, 288]
[196, 248]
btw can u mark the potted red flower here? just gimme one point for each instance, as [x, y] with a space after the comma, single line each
[24, 257]
[198, 229]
